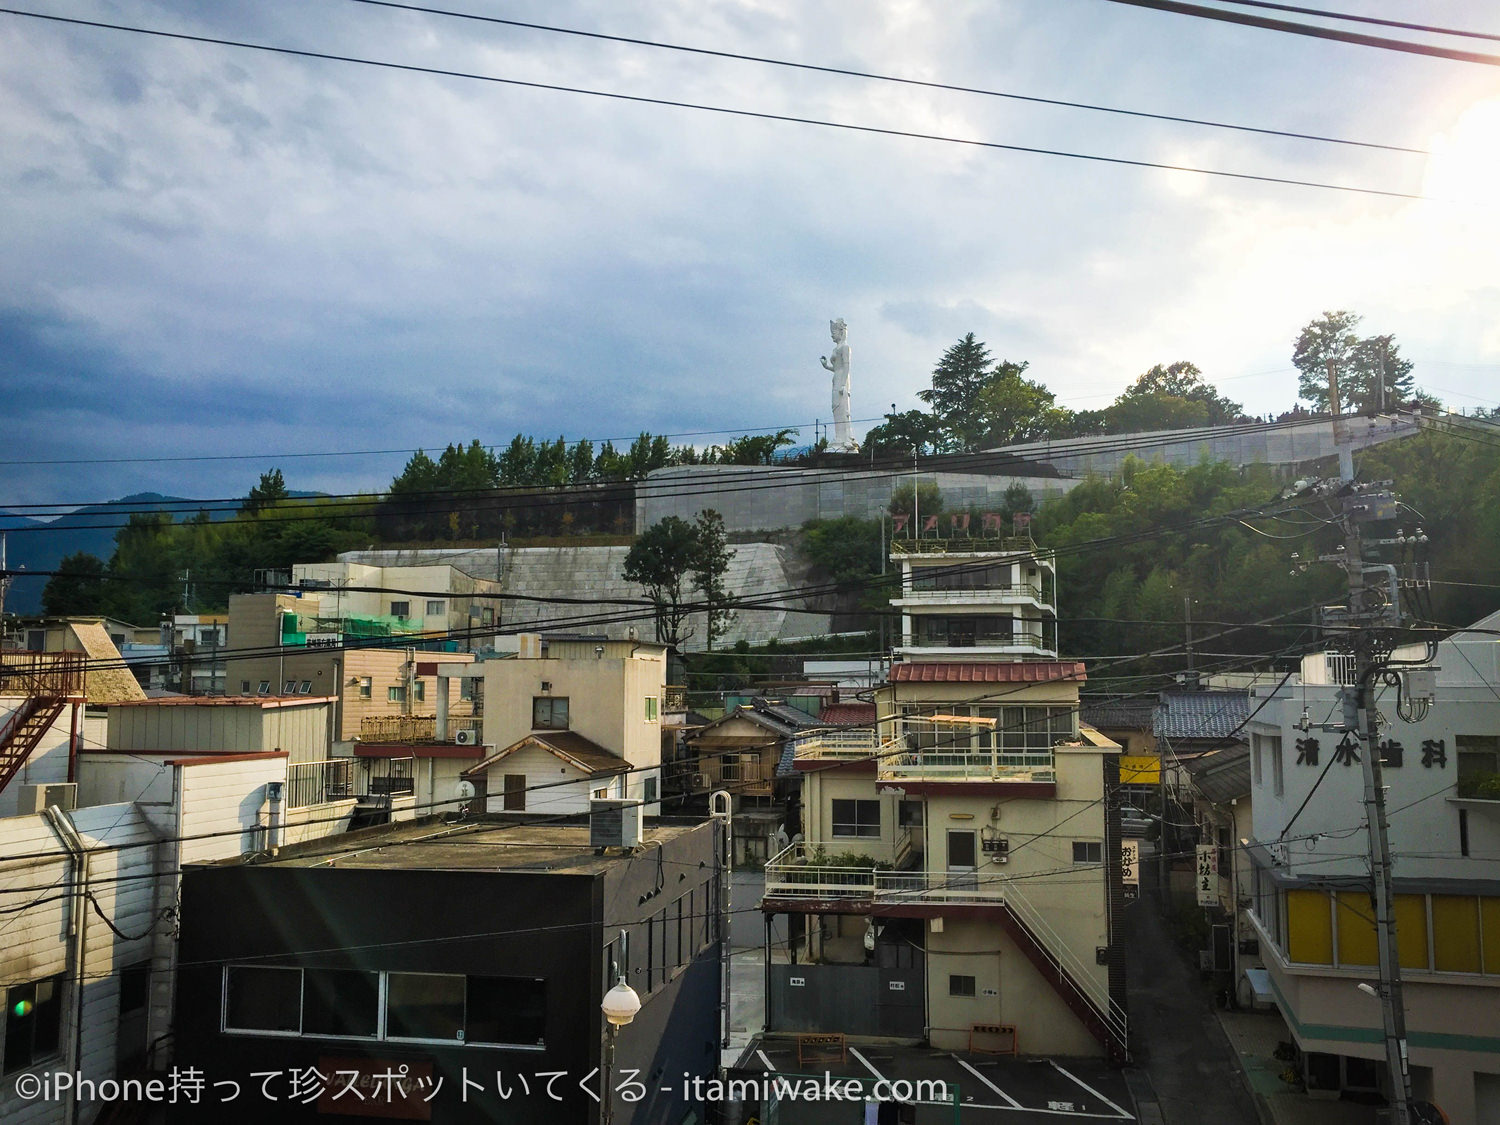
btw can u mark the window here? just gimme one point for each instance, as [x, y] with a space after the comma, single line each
[262, 999]
[437, 609]
[650, 790]
[289, 688]
[135, 986]
[909, 814]
[465, 688]
[1278, 778]
[1088, 851]
[1478, 765]
[304, 688]
[244, 687]
[856, 818]
[651, 708]
[342, 1002]
[366, 687]
[549, 712]
[395, 694]
[487, 616]
[401, 609]
[33, 1020]
[511, 1010]
[960, 985]
[602, 794]
[419, 690]
[424, 1006]
[264, 688]
[209, 638]
[1256, 742]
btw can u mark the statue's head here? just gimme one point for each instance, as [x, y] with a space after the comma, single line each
[838, 329]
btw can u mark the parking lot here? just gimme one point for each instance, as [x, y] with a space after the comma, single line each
[979, 1088]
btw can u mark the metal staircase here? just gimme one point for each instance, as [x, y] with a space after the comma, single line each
[47, 682]
[1096, 1009]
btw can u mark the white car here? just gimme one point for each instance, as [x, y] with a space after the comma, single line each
[1134, 821]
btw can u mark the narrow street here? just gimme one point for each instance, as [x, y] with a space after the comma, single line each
[1176, 1038]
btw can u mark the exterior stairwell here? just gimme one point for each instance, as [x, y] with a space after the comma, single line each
[1105, 1019]
[46, 683]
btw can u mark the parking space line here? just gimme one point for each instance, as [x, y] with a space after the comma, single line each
[1091, 1090]
[1013, 1103]
[866, 1063]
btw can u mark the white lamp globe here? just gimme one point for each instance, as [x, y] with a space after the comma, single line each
[621, 1004]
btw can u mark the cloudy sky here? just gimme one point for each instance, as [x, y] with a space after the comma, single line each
[208, 251]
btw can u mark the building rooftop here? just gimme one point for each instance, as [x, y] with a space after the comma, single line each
[1128, 713]
[483, 845]
[1201, 714]
[226, 701]
[988, 672]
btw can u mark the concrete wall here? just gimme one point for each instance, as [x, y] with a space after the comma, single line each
[770, 499]
[48, 762]
[548, 572]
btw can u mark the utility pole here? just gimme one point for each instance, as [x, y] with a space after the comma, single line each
[1368, 624]
[1187, 627]
[4, 579]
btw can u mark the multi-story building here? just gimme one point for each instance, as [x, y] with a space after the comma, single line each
[959, 875]
[1311, 891]
[570, 718]
[195, 641]
[435, 598]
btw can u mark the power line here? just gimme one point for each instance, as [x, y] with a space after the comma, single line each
[851, 73]
[759, 115]
[1351, 18]
[1248, 20]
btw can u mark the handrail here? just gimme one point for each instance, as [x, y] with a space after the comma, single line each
[52, 675]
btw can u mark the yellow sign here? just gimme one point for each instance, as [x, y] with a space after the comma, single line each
[1142, 770]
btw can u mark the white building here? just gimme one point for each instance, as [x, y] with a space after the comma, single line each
[1311, 885]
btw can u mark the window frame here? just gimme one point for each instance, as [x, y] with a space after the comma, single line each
[858, 821]
[1092, 851]
[958, 982]
[34, 1058]
[367, 687]
[395, 693]
[549, 703]
[436, 607]
[401, 609]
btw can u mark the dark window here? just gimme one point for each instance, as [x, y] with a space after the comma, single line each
[304, 687]
[33, 1019]
[135, 987]
[960, 986]
[507, 1010]
[424, 1006]
[401, 609]
[909, 814]
[1085, 851]
[549, 713]
[262, 999]
[365, 684]
[856, 818]
[340, 1002]
[650, 790]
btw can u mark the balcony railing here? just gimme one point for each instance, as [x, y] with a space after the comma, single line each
[940, 596]
[895, 759]
[388, 776]
[316, 783]
[411, 728]
[674, 698]
[54, 675]
[939, 545]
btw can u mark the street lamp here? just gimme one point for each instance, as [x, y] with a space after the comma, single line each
[621, 1003]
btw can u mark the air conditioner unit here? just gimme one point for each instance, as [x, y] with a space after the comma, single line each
[466, 737]
[700, 781]
[615, 824]
[35, 798]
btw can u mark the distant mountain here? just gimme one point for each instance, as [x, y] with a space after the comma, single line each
[39, 545]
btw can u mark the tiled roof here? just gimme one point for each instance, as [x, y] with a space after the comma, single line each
[1201, 714]
[1119, 714]
[989, 672]
[847, 714]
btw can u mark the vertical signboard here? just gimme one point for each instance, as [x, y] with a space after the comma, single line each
[1207, 874]
[1130, 868]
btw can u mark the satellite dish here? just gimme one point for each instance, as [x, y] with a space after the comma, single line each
[463, 790]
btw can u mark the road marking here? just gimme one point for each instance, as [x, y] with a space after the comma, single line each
[1013, 1103]
[866, 1062]
[1091, 1090]
[769, 1065]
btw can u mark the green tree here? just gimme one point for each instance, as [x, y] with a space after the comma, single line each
[270, 491]
[709, 567]
[929, 500]
[662, 561]
[1371, 370]
[1170, 397]
[76, 588]
[753, 449]
[1010, 409]
[901, 434]
[957, 380]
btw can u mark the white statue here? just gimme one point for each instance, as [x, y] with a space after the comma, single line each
[843, 438]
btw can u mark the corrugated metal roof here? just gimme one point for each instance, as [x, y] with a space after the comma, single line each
[1222, 776]
[1201, 714]
[988, 672]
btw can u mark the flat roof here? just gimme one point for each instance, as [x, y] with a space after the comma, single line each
[480, 845]
[226, 701]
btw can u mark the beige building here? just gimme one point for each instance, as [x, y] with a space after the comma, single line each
[434, 598]
[371, 669]
[959, 878]
[569, 719]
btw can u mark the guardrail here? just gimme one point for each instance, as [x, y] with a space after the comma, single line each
[53, 675]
